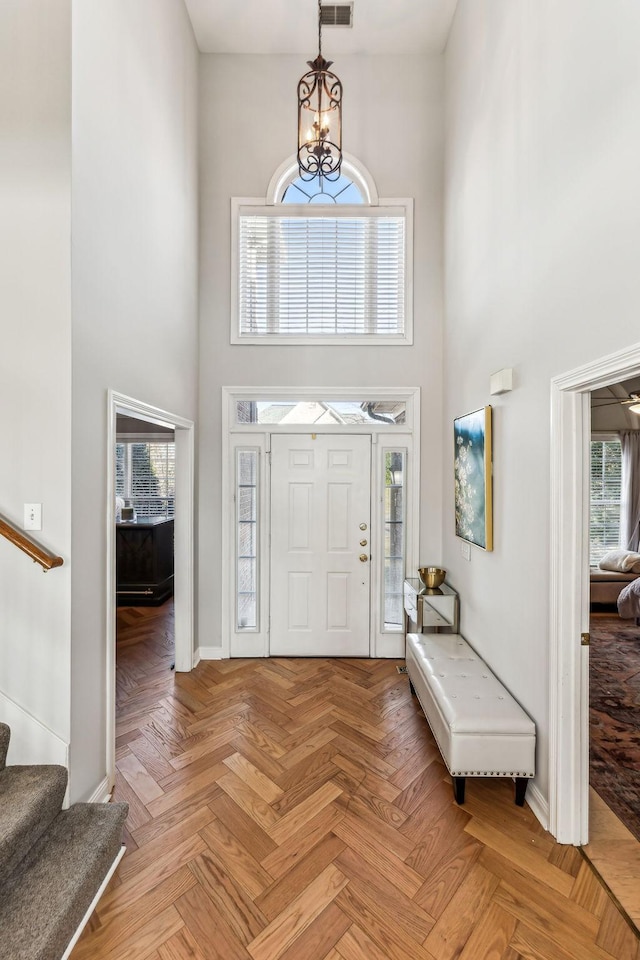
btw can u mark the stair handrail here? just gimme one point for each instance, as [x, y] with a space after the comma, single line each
[37, 553]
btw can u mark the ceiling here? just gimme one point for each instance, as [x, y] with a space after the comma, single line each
[291, 26]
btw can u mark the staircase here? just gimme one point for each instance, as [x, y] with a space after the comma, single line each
[54, 863]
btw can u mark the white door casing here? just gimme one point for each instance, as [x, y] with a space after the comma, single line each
[320, 545]
[568, 813]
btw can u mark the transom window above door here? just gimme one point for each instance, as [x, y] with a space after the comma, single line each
[325, 264]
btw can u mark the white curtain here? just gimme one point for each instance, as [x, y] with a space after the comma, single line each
[630, 507]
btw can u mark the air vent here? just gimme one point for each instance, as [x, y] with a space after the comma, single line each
[337, 14]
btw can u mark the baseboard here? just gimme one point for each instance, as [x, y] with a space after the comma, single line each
[207, 653]
[92, 906]
[539, 805]
[102, 793]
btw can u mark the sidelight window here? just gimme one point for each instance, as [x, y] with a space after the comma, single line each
[394, 505]
[246, 539]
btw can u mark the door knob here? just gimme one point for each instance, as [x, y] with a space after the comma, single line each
[363, 543]
[363, 558]
[363, 526]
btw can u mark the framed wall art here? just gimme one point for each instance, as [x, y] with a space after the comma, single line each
[472, 477]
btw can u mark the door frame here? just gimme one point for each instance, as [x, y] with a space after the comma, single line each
[569, 588]
[257, 436]
[184, 578]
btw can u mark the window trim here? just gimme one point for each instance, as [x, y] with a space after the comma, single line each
[399, 205]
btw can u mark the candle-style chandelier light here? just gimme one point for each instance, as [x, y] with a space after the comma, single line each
[319, 118]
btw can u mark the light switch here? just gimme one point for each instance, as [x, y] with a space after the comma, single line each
[465, 550]
[33, 516]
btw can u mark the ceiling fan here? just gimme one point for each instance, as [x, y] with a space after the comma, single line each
[632, 402]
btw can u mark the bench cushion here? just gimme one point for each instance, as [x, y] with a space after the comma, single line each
[479, 727]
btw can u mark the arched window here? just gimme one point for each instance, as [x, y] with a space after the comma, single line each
[322, 262]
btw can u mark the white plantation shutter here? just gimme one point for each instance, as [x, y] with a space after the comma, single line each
[145, 474]
[606, 495]
[312, 272]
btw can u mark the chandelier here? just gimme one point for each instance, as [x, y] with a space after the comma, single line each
[319, 118]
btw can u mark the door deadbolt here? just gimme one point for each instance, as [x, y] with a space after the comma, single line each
[363, 558]
[363, 526]
[363, 543]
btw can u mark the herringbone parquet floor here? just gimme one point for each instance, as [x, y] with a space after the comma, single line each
[297, 809]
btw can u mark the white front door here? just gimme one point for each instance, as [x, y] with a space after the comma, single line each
[320, 545]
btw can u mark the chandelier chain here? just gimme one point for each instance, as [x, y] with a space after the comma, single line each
[319, 28]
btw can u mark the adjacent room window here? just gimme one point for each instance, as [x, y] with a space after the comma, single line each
[394, 539]
[146, 477]
[322, 266]
[246, 539]
[605, 500]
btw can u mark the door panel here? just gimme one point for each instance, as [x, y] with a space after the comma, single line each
[320, 588]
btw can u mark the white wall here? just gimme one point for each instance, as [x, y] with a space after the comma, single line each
[542, 217]
[393, 124]
[35, 356]
[134, 284]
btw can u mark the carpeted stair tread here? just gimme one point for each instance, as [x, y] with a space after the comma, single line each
[30, 800]
[5, 735]
[48, 895]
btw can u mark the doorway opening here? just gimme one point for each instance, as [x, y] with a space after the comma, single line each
[154, 420]
[570, 588]
[614, 576]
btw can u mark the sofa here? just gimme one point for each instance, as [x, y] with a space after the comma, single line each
[605, 585]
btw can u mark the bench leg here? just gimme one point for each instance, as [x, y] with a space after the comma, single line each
[521, 789]
[458, 789]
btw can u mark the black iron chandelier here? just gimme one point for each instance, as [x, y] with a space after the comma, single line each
[319, 118]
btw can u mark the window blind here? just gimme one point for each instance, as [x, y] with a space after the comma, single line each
[606, 493]
[145, 474]
[318, 274]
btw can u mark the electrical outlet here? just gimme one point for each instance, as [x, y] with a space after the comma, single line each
[32, 516]
[465, 550]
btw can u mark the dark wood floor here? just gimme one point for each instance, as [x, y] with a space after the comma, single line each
[297, 809]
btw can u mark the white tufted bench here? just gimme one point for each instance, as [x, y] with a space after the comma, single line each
[479, 727]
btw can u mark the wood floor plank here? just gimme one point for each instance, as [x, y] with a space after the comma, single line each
[491, 936]
[239, 910]
[615, 934]
[295, 819]
[319, 938]
[207, 780]
[301, 912]
[181, 946]
[149, 853]
[374, 851]
[143, 881]
[246, 798]
[119, 925]
[456, 923]
[148, 937]
[405, 911]
[209, 929]
[280, 894]
[254, 778]
[244, 828]
[521, 854]
[236, 859]
[295, 847]
[367, 911]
